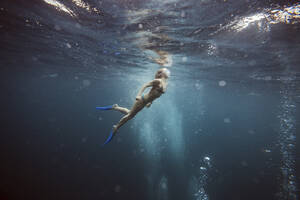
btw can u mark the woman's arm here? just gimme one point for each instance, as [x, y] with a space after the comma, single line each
[150, 84]
[143, 89]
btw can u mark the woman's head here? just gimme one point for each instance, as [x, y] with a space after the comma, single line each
[163, 72]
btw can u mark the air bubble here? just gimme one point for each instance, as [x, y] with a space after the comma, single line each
[267, 150]
[252, 62]
[222, 83]
[268, 78]
[77, 25]
[182, 14]
[206, 158]
[86, 83]
[83, 140]
[198, 86]
[53, 75]
[227, 120]
[68, 45]
[164, 186]
[117, 188]
[244, 163]
[57, 27]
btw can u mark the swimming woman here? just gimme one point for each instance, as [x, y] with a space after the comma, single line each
[159, 86]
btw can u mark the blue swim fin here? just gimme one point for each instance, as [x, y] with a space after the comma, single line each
[110, 137]
[105, 108]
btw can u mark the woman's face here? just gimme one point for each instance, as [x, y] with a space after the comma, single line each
[166, 72]
[162, 73]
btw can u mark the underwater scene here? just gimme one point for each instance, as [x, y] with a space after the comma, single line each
[149, 99]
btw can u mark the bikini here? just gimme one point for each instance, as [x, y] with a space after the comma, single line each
[143, 98]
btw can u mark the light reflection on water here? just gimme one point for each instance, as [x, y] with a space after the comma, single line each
[60, 7]
[289, 15]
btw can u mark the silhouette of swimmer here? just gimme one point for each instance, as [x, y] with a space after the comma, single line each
[159, 86]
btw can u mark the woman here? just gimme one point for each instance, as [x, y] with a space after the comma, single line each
[159, 86]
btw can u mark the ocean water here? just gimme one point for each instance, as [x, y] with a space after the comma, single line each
[225, 129]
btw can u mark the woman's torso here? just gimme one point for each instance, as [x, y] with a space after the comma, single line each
[156, 91]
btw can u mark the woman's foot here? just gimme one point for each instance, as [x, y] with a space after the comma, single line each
[114, 106]
[115, 128]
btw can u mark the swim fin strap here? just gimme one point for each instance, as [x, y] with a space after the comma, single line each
[105, 108]
[110, 137]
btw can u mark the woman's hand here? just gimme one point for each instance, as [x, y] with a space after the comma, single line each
[138, 98]
[148, 104]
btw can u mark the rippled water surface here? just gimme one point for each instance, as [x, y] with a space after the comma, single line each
[225, 129]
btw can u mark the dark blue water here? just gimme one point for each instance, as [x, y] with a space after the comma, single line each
[225, 129]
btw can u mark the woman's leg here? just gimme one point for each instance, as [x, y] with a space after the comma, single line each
[121, 109]
[122, 122]
[137, 106]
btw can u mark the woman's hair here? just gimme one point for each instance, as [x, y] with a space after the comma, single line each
[162, 71]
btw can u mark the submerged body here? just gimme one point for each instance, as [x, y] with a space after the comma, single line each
[159, 86]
